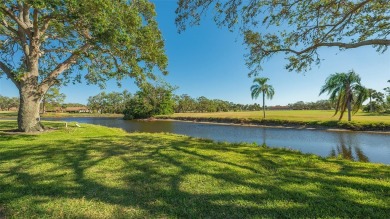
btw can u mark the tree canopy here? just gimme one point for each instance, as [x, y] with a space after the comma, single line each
[151, 100]
[113, 102]
[296, 28]
[46, 42]
[108, 40]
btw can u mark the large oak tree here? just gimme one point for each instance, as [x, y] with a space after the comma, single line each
[296, 28]
[46, 42]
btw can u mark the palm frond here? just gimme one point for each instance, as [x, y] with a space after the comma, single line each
[343, 88]
[361, 95]
[260, 81]
[260, 86]
[270, 92]
[343, 107]
[255, 86]
[255, 94]
[338, 104]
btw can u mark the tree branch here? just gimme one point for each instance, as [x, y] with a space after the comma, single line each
[383, 42]
[56, 50]
[116, 61]
[346, 16]
[9, 73]
[45, 26]
[21, 24]
[26, 14]
[35, 23]
[50, 79]
[6, 25]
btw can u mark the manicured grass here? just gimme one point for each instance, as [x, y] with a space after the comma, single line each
[294, 115]
[8, 114]
[13, 114]
[53, 115]
[99, 172]
[360, 121]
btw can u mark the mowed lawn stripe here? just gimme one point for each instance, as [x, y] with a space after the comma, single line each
[100, 172]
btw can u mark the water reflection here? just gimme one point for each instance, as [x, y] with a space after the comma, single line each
[346, 152]
[349, 145]
[264, 136]
[348, 149]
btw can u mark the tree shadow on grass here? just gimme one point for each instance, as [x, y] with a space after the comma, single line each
[374, 114]
[2, 215]
[178, 177]
[6, 137]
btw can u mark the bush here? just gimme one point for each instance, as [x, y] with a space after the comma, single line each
[150, 101]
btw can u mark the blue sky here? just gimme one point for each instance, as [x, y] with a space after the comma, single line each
[209, 61]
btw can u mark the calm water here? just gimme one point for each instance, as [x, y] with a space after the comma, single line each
[361, 146]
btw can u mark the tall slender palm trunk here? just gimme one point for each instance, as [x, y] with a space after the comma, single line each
[349, 110]
[371, 107]
[349, 100]
[263, 105]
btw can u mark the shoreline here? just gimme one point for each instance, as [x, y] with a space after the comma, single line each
[71, 115]
[245, 123]
[285, 124]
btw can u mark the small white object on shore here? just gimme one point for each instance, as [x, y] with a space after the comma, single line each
[78, 125]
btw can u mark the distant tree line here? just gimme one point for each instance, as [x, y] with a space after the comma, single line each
[150, 100]
[159, 99]
[6, 103]
[184, 103]
[64, 105]
[378, 101]
[114, 102]
[52, 100]
[153, 100]
[318, 105]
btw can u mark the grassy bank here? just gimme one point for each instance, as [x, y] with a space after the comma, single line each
[312, 118]
[99, 172]
[13, 115]
[8, 114]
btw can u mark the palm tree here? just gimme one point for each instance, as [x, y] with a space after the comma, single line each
[346, 92]
[370, 93]
[260, 86]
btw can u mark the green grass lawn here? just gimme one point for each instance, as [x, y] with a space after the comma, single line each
[318, 118]
[99, 172]
[8, 114]
[293, 115]
[13, 114]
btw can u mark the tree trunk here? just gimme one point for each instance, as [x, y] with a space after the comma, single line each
[349, 110]
[263, 105]
[371, 108]
[28, 115]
